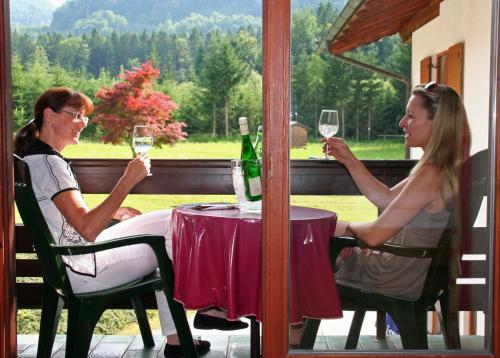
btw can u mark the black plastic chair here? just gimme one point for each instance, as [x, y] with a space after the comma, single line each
[440, 284]
[85, 309]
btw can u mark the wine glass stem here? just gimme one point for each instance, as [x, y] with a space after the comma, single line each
[326, 150]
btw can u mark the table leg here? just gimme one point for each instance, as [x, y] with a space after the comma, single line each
[310, 333]
[381, 325]
[254, 338]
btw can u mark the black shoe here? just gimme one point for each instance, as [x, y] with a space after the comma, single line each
[202, 321]
[175, 350]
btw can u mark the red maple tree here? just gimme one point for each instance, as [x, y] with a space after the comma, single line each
[133, 101]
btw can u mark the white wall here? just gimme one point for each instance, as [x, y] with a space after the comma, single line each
[467, 21]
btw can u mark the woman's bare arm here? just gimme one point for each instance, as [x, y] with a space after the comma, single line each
[420, 191]
[377, 192]
[90, 223]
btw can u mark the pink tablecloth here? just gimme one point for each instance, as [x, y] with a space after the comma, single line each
[217, 262]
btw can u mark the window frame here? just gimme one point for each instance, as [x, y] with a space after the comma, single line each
[276, 71]
[276, 199]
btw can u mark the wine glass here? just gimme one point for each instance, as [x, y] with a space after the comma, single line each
[328, 125]
[142, 139]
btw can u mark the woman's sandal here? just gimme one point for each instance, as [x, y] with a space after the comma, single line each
[176, 351]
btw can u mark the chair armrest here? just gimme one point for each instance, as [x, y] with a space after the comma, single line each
[408, 251]
[157, 243]
[70, 250]
[338, 243]
[345, 241]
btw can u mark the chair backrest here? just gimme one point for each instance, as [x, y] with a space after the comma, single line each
[52, 265]
[475, 239]
[444, 267]
[438, 275]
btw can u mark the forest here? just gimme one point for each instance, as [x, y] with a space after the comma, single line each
[215, 75]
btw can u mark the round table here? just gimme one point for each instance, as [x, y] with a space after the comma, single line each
[217, 262]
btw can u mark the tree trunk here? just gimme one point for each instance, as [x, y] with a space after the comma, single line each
[226, 114]
[357, 125]
[369, 123]
[214, 122]
[316, 114]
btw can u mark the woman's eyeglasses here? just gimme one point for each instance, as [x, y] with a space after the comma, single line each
[78, 116]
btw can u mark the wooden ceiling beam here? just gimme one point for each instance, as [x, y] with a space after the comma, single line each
[341, 47]
[388, 8]
[380, 18]
[374, 20]
[386, 21]
[356, 36]
[420, 19]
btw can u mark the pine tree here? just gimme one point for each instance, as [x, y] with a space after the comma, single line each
[221, 71]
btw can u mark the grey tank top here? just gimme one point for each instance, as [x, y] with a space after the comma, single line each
[395, 275]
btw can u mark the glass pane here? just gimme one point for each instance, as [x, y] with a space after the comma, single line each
[206, 60]
[388, 181]
[189, 70]
[442, 68]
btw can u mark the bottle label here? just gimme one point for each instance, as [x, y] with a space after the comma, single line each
[255, 186]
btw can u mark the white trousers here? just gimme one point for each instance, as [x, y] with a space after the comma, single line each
[125, 264]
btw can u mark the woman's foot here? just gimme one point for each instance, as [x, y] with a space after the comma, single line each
[296, 332]
[203, 321]
[175, 350]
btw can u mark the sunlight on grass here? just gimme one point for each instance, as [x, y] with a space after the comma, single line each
[350, 208]
[228, 150]
[347, 207]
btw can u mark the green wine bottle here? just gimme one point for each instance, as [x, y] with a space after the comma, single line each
[258, 143]
[250, 165]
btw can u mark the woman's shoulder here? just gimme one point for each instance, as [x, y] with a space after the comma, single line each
[49, 168]
[426, 177]
[428, 171]
[44, 160]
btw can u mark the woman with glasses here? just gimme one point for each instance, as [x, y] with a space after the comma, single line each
[60, 117]
[415, 211]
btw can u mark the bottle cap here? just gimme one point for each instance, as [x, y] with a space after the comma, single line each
[243, 120]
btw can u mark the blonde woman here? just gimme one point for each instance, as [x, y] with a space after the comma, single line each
[415, 211]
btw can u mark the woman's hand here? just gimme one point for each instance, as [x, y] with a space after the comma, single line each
[137, 169]
[125, 213]
[337, 148]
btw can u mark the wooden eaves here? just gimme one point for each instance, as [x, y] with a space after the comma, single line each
[364, 21]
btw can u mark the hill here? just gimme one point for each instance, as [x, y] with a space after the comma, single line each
[79, 15]
[32, 12]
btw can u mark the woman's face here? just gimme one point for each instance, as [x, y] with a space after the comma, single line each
[416, 124]
[67, 125]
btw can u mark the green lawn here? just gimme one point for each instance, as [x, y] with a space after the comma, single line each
[349, 208]
[228, 150]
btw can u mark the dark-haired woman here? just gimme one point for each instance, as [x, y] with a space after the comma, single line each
[60, 117]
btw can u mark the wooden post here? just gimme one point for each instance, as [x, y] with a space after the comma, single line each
[7, 256]
[276, 108]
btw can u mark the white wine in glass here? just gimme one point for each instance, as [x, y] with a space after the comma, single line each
[142, 139]
[328, 124]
